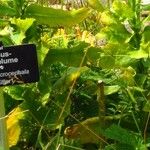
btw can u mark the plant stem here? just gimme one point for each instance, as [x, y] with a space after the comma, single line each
[101, 99]
[146, 126]
[102, 109]
[138, 128]
[3, 129]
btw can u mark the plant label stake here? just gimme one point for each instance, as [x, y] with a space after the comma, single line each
[18, 65]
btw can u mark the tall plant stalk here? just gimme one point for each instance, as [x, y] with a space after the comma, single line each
[3, 129]
[102, 107]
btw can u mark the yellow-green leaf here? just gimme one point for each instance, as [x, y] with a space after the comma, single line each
[95, 4]
[107, 62]
[138, 54]
[111, 89]
[56, 17]
[146, 107]
[23, 24]
[106, 18]
[13, 127]
[69, 77]
[122, 9]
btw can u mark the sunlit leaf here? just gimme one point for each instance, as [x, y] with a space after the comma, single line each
[145, 34]
[122, 9]
[56, 17]
[146, 7]
[138, 54]
[95, 4]
[69, 77]
[5, 32]
[23, 24]
[127, 75]
[15, 92]
[107, 18]
[13, 127]
[111, 89]
[18, 38]
[136, 88]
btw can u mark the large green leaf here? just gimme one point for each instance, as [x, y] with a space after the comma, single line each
[68, 56]
[72, 56]
[56, 17]
[5, 10]
[107, 62]
[121, 135]
[68, 78]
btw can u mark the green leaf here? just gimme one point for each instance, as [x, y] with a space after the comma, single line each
[13, 126]
[22, 26]
[121, 135]
[124, 61]
[146, 107]
[56, 17]
[5, 10]
[146, 33]
[122, 9]
[138, 54]
[140, 79]
[107, 18]
[72, 56]
[15, 92]
[136, 88]
[107, 62]
[111, 89]
[124, 147]
[5, 32]
[146, 7]
[3, 22]
[68, 56]
[17, 38]
[67, 79]
[95, 4]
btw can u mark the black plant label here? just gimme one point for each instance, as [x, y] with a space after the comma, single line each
[18, 65]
